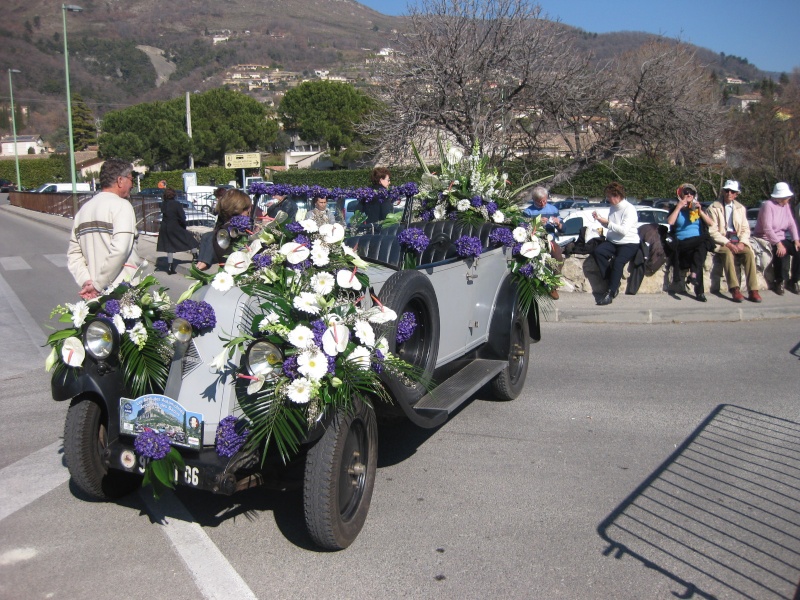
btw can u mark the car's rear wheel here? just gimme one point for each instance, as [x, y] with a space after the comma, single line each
[85, 440]
[412, 292]
[340, 476]
[508, 384]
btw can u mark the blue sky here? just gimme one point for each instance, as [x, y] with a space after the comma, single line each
[765, 32]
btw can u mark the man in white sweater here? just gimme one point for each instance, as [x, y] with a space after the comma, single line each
[622, 241]
[102, 247]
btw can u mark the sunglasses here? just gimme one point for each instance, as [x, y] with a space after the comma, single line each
[730, 191]
[688, 193]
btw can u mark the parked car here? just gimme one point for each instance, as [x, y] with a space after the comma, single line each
[752, 216]
[6, 185]
[63, 188]
[575, 222]
[470, 331]
[202, 196]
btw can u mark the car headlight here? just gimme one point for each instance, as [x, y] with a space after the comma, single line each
[264, 359]
[100, 338]
[182, 330]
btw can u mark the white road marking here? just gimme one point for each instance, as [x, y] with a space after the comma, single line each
[14, 263]
[30, 478]
[28, 327]
[17, 555]
[211, 571]
[59, 260]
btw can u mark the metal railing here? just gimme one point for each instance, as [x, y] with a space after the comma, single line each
[147, 209]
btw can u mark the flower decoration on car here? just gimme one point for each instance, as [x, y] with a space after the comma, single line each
[140, 315]
[314, 337]
[468, 246]
[413, 241]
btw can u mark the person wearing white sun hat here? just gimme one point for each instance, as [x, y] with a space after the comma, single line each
[776, 224]
[730, 231]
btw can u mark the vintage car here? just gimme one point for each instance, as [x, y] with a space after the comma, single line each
[471, 331]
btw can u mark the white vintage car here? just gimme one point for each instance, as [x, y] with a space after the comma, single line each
[470, 332]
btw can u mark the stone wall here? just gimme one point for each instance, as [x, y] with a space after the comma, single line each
[580, 274]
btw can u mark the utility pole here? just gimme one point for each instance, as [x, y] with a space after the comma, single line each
[189, 127]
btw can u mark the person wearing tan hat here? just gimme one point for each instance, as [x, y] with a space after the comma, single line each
[776, 224]
[730, 231]
[689, 241]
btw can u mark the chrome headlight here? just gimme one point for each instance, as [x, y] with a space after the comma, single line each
[101, 339]
[182, 330]
[264, 359]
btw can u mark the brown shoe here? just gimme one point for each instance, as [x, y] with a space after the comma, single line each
[792, 287]
[778, 288]
[736, 294]
[754, 296]
[554, 294]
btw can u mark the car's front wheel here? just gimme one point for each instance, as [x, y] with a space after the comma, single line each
[340, 476]
[508, 384]
[85, 440]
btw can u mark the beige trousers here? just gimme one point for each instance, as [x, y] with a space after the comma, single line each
[747, 258]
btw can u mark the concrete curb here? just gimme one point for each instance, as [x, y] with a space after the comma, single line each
[572, 307]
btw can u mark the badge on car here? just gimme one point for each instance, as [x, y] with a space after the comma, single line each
[164, 415]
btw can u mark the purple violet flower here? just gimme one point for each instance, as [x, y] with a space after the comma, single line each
[199, 314]
[228, 440]
[502, 236]
[289, 367]
[262, 260]
[491, 208]
[240, 222]
[294, 227]
[152, 444]
[161, 327]
[526, 270]
[112, 307]
[476, 201]
[318, 327]
[413, 239]
[468, 246]
[405, 328]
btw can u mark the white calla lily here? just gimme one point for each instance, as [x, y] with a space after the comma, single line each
[332, 234]
[348, 280]
[335, 339]
[295, 253]
[72, 352]
[237, 263]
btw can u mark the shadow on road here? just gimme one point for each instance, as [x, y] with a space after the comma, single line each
[721, 516]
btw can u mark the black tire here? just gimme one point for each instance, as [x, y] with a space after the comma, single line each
[85, 439]
[412, 291]
[508, 384]
[340, 476]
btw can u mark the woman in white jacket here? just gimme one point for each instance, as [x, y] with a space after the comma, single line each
[622, 240]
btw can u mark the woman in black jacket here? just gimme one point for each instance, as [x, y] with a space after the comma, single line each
[172, 234]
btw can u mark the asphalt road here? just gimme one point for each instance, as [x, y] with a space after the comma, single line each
[642, 461]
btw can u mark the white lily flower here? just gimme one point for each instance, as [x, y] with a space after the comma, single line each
[219, 361]
[312, 364]
[138, 335]
[348, 280]
[295, 253]
[73, 352]
[254, 247]
[332, 233]
[354, 258]
[299, 391]
[223, 281]
[237, 263]
[255, 385]
[520, 234]
[380, 314]
[383, 345]
[335, 338]
[365, 333]
[531, 249]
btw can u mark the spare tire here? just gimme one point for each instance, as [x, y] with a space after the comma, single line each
[412, 292]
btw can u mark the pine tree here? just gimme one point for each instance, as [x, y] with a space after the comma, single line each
[84, 132]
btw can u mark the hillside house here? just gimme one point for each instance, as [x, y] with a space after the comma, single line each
[25, 143]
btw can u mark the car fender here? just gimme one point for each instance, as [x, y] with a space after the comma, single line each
[108, 388]
[503, 316]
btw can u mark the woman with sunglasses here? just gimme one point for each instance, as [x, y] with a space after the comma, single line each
[689, 241]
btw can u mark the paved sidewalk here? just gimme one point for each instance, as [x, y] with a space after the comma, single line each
[571, 307]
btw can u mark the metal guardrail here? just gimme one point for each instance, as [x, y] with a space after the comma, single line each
[147, 209]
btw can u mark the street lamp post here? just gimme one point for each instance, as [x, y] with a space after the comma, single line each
[64, 9]
[14, 125]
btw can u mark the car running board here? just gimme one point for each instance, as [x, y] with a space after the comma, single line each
[443, 400]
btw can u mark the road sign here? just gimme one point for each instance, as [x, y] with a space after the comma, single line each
[246, 160]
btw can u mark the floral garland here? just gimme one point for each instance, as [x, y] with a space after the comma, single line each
[309, 296]
[364, 194]
[142, 316]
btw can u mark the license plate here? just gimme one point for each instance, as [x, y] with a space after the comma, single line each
[162, 414]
